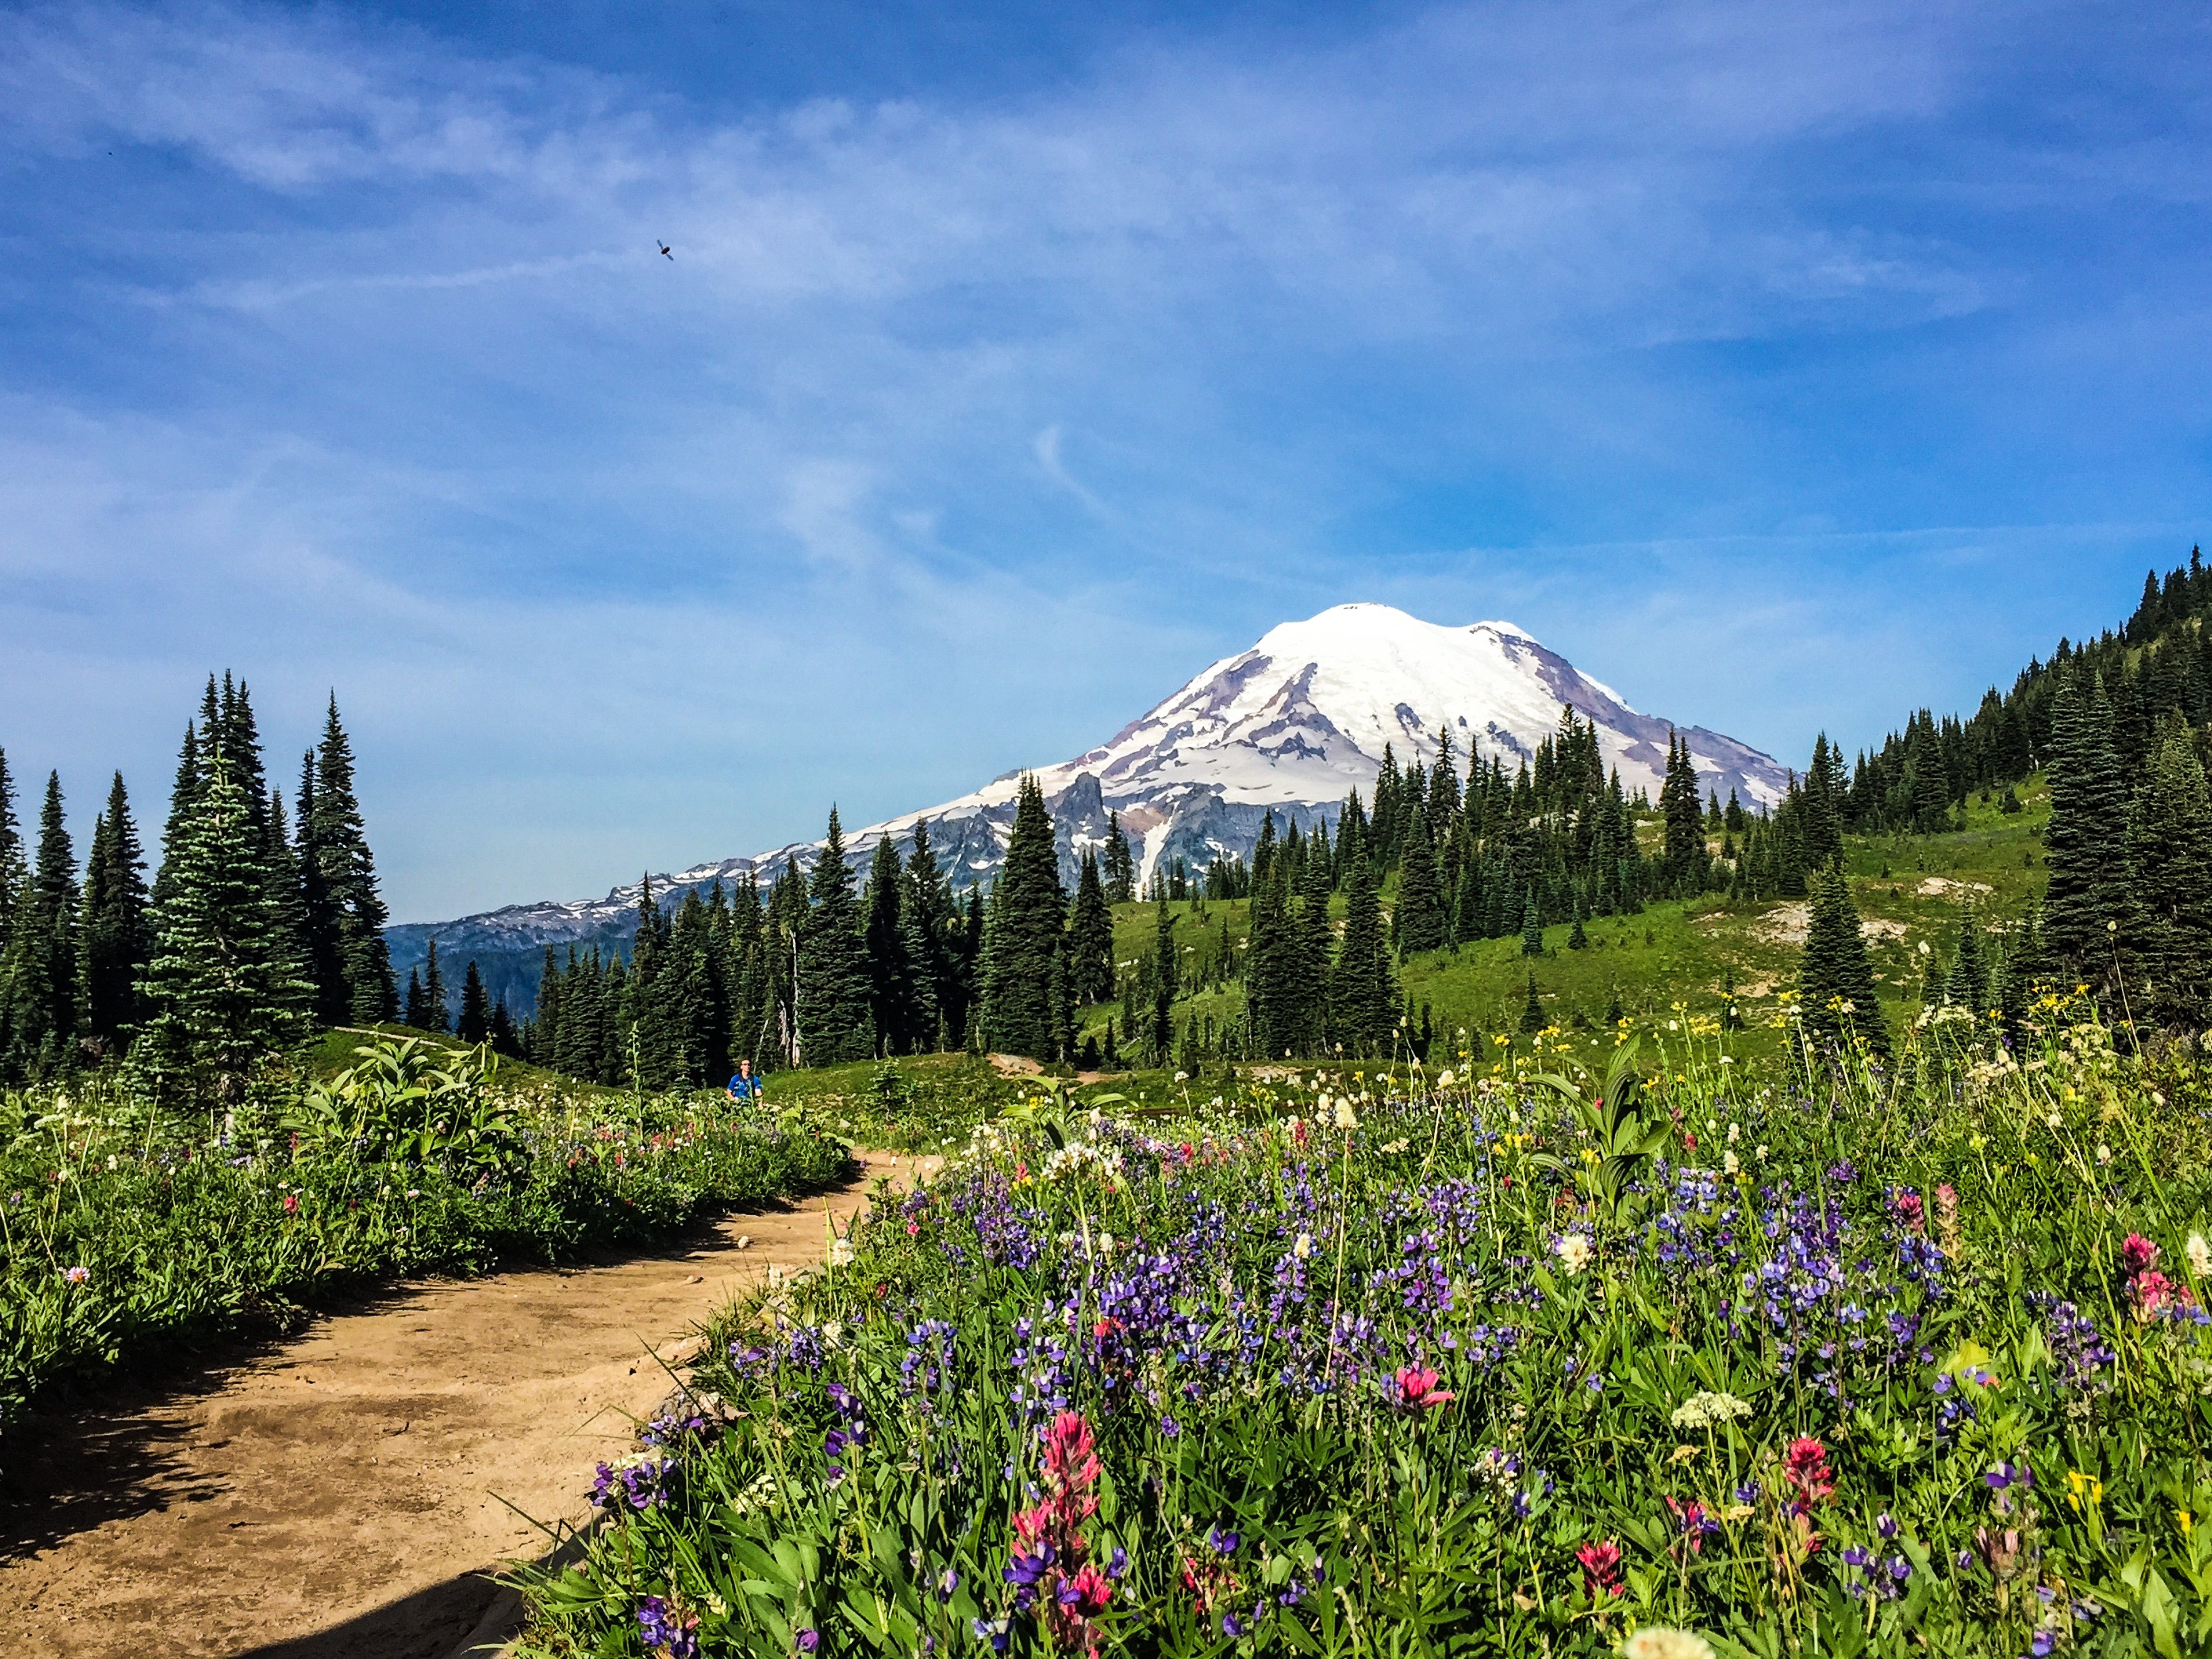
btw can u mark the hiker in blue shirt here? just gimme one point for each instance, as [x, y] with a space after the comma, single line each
[744, 1085]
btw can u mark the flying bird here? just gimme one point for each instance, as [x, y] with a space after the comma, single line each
[664, 253]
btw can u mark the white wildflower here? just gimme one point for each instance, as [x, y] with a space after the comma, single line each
[1445, 1080]
[1106, 1240]
[1398, 1145]
[2200, 1255]
[2104, 1153]
[1346, 1119]
[1759, 1152]
[1573, 1250]
[841, 1253]
[1662, 1641]
[1303, 1248]
[2056, 1121]
[1704, 1408]
[1735, 1133]
[744, 1240]
[1731, 1164]
[834, 1332]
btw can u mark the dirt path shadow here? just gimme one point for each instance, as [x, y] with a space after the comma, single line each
[341, 1493]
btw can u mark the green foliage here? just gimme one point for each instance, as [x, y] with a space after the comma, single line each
[832, 1017]
[1025, 1001]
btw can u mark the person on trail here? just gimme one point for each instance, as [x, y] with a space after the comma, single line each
[744, 1085]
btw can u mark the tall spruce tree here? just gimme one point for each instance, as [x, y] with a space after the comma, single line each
[13, 867]
[1165, 976]
[415, 1006]
[219, 991]
[1024, 988]
[365, 991]
[1120, 873]
[1836, 981]
[437, 1016]
[2085, 846]
[118, 936]
[1362, 990]
[1090, 937]
[926, 915]
[834, 1023]
[891, 970]
[38, 971]
[1419, 921]
[2169, 855]
[474, 1024]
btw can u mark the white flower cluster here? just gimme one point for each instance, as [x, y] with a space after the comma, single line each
[1080, 1155]
[1705, 1409]
[1574, 1251]
[841, 1253]
[1662, 1642]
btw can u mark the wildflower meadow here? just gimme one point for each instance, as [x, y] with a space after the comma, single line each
[1573, 1347]
[124, 1226]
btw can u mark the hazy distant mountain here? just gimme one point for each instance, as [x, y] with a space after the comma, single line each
[1291, 725]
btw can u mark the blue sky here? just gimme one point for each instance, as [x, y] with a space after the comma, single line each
[1785, 366]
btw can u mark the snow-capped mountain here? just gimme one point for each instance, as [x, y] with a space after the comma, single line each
[1290, 726]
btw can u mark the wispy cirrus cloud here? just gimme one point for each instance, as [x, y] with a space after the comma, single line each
[961, 426]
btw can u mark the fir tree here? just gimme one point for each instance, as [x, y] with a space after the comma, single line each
[436, 1015]
[117, 937]
[1363, 991]
[1419, 922]
[833, 1022]
[415, 1010]
[1835, 981]
[924, 916]
[1822, 816]
[892, 971]
[474, 1023]
[505, 1039]
[1578, 940]
[1090, 937]
[1967, 985]
[39, 972]
[364, 992]
[219, 991]
[1532, 931]
[1165, 976]
[1024, 991]
[2089, 885]
[13, 867]
[2169, 856]
[1532, 1011]
[1120, 873]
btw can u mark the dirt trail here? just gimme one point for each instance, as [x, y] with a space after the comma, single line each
[337, 1496]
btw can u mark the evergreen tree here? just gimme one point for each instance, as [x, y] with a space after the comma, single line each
[1120, 871]
[1578, 940]
[39, 972]
[2169, 856]
[892, 971]
[1419, 922]
[925, 917]
[653, 1024]
[1090, 937]
[1363, 991]
[1165, 977]
[416, 1010]
[219, 991]
[184, 797]
[13, 867]
[1823, 789]
[1678, 805]
[505, 1039]
[1835, 981]
[2086, 855]
[833, 1022]
[1967, 985]
[1532, 1011]
[1024, 991]
[1532, 932]
[365, 991]
[474, 1023]
[436, 1014]
[117, 937]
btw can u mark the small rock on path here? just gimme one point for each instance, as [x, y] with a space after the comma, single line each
[338, 1497]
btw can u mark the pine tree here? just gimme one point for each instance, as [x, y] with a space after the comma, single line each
[14, 870]
[474, 1023]
[1090, 937]
[1363, 991]
[1419, 922]
[415, 1010]
[1532, 932]
[436, 1015]
[2084, 849]
[1678, 805]
[117, 937]
[219, 992]
[365, 991]
[2169, 856]
[923, 915]
[1823, 790]
[1165, 976]
[1024, 990]
[1836, 981]
[833, 1019]
[1120, 870]
[501, 1034]
[1967, 985]
[1578, 940]
[39, 972]
[653, 1024]
[184, 797]
[1532, 1011]
[890, 970]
